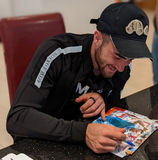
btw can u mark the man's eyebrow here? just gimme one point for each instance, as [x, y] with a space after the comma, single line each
[118, 54]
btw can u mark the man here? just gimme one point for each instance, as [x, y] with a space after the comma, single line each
[74, 76]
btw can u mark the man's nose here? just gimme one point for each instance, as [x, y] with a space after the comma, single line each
[121, 66]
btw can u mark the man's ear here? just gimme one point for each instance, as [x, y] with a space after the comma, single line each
[97, 39]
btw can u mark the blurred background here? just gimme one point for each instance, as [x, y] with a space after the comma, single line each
[76, 15]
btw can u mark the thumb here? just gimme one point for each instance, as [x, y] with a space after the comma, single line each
[81, 98]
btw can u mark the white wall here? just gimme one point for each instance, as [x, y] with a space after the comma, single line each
[76, 13]
[5, 8]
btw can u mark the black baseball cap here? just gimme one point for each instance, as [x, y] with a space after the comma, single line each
[128, 28]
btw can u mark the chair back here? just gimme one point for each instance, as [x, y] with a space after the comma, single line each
[20, 38]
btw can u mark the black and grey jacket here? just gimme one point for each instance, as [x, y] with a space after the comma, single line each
[59, 63]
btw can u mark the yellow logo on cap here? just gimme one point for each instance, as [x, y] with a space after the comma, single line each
[137, 26]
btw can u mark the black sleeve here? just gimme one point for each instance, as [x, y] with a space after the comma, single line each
[26, 119]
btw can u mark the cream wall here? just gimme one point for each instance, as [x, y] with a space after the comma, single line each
[5, 8]
[76, 13]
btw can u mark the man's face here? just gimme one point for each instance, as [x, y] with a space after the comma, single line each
[109, 60]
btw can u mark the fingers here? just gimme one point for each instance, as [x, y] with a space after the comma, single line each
[94, 104]
[113, 130]
[88, 97]
[102, 138]
[108, 147]
[93, 99]
[103, 114]
[89, 109]
[120, 136]
[82, 98]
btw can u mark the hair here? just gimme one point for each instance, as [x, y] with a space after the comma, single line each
[106, 38]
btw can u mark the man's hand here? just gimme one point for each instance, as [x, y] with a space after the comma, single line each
[102, 138]
[91, 108]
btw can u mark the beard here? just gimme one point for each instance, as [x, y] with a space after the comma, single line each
[102, 65]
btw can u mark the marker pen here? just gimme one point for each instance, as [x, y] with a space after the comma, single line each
[129, 142]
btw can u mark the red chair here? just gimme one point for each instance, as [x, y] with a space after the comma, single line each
[21, 36]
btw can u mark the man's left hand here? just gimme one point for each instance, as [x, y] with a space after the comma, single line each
[94, 104]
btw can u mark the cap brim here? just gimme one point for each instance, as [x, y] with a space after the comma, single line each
[131, 49]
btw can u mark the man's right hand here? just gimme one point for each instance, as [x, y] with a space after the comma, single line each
[102, 138]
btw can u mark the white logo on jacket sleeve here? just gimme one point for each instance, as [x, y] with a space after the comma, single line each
[49, 60]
